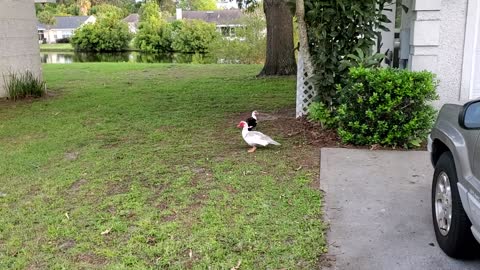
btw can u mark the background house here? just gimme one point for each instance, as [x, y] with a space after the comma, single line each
[225, 20]
[132, 21]
[64, 27]
[444, 37]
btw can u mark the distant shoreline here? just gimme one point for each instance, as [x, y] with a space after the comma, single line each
[66, 47]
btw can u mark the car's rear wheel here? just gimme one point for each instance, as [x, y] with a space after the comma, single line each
[452, 226]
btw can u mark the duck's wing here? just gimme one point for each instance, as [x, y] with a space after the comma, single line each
[259, 138]
[251, 122]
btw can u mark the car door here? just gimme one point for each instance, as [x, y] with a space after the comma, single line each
[474, 191]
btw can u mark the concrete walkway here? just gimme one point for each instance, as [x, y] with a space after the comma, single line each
[378, 206]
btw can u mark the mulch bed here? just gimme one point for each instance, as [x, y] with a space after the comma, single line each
[310, 133]
[283, 122]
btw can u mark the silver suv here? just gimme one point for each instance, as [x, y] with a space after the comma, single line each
[455, 152]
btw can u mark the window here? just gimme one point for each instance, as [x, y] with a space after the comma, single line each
[41, 35]
[225, 31]
[472, 116]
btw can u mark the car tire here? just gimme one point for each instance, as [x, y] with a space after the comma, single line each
[456, 240]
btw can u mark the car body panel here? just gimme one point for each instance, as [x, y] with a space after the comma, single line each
[464, 146]
[474, 211]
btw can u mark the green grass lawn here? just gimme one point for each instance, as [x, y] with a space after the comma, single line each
[56, 47]
[140, 166]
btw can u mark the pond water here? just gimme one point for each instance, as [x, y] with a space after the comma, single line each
[132, 57]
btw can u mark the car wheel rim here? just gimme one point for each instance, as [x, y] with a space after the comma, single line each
[443, 203]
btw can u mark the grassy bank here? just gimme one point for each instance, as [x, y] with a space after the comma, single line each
[67, 47]
[140, 166]
[60, 47]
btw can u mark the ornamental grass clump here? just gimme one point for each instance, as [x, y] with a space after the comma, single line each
[24, 85]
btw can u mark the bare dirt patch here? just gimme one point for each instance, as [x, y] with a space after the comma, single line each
[169, 218]
[52, 93]
[67, 245]
[307, 137]
[36, 266]
[72, 155]
[202, 176]
[284, 123]
[91, 259]
[231, 189]
[165, 128]
[118, 187]
[75, 187]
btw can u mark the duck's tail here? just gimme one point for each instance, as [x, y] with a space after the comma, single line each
[274, 142]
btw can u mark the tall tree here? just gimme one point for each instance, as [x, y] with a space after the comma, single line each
[167, 5]
[84, 6]
[104, 10]
[150, 12]
[280, 56]
[198, 4]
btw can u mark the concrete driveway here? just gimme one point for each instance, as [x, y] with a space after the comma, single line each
[377, 204]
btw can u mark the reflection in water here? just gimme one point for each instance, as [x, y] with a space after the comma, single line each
[133, 57]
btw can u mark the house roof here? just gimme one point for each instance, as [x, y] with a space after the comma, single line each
[217, 16]
[132, 18]
[65, 22]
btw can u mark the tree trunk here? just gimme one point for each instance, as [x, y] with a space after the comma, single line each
[280, 51]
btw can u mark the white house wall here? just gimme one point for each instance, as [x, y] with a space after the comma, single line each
[54, 34]
[19, 49]
[91, 19]
[437, 34]
[471, 60]
[452, 36]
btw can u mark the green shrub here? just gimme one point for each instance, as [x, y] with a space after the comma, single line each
[23, 85]
[319, 112]
[193, 36]
[386, 106]
[154, 34]
[337, 30]
[106, 35]
[154, 38]
[198, 4]
[149, 11]
[157, 36]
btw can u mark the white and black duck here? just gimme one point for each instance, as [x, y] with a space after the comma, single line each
[254, 138]
[252, 121]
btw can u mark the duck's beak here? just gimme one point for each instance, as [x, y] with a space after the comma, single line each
[239, 126]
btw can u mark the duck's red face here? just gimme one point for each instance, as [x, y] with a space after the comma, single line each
[241, 124]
